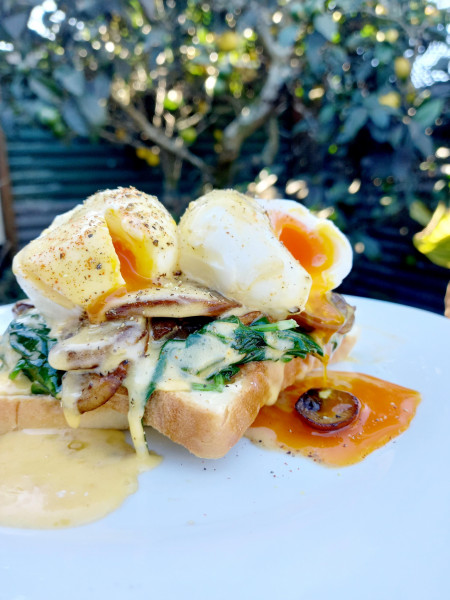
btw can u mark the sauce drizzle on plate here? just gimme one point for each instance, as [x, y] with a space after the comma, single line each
[65, 478]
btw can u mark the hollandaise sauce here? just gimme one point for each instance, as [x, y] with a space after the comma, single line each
[386, 411]
[65, 478]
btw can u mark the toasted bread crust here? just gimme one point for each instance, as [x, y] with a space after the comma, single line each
[206, 423]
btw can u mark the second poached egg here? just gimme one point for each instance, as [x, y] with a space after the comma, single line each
[316, 243]
[227, 244]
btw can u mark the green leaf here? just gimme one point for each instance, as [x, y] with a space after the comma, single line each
[252, 343]
[314, 44]
[420, 212]
[427, 114]
[363, 71]
[279, 326]
[28, 335]
[336, 57]
[350, 5]
[421, 141]
[339, 193]
[396, 135]
[72, 80]
[297, 10]
[150, 8]
[379, 135]
[300, 127]
[384, 53]
[325, 25]
[326, 114]
[380, 117]
[43, 90]
[48, 115]
[15, 25]
[434, 240]
[355, 121]
[352, 41]
[288, 36]
[38, 388]
[100, 86]
[92, 111]
[73, 117]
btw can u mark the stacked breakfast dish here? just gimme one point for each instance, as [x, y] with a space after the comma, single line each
[134, 320]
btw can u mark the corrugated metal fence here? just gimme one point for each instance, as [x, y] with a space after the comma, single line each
[49, 177]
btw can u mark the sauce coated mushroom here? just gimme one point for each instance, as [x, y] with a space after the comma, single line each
[327, 409]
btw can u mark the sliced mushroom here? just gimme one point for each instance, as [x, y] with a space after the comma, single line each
[100, 346]
[346, 309]
[249, 317]
[327, 409]
[330, 313]
[165, 327]
[21, 307]
[173, 298]
[94, 389]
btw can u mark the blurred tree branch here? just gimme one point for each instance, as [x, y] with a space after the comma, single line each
[157, 136]
[252, 117]
[182, 81]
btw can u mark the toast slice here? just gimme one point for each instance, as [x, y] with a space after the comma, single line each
[208, 424]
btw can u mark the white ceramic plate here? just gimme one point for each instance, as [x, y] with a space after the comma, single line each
[260, 524]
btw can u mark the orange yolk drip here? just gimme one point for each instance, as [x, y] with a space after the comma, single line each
[96, 309]
[134, 281]
[322, 306]
[386, 411]
[313, 251]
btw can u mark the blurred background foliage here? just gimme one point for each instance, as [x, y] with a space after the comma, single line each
[350, 98]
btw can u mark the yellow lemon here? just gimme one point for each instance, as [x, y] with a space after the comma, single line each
[434, 240]
[188, 135]
[391, 36]
[402, 67]
[228, 41]
[392, 99]
[152, 158]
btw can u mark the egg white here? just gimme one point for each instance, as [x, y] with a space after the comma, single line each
[73, 263]
[341, 266]
[227, 244]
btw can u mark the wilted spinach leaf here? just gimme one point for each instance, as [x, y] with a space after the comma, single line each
[29, 336]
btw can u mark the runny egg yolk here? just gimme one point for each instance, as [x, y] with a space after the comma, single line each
[313, 250]
[135, 255]
[133, 279]
[129, 270]
[386, 411]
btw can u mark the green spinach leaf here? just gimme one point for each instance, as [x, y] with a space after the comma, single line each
[30, 337]
[259, 341]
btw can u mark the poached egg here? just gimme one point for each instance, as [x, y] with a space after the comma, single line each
[227, 243]
[116, 241]
[316, 243]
